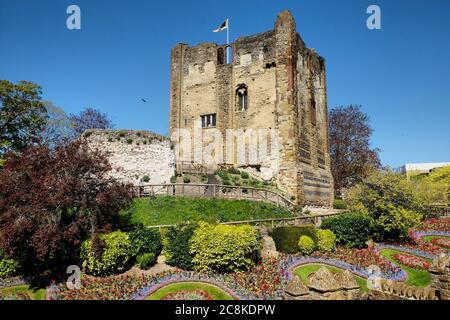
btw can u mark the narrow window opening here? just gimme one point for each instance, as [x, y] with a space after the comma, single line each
[220, 56]
[242, 98]
[208, 120]
[313, 112]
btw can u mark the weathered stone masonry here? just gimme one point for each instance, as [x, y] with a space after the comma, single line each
[273, 81]
[134, 155]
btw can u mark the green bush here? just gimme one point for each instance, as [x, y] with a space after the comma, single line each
[145, 241]
[176, 246]
[286, 238]
[339, 204]
[173, 179]
[306, 245]
[244, 175]
[233, 171]
[146, 261]
[186, 179]
[8, 267]
[116, 256]
[389, 198]
[222, 248]
[326, 240]
[146, 179]
[352, 230]
[223, 175]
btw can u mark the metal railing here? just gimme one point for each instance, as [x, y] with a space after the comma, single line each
[315, 219]
[214, 191]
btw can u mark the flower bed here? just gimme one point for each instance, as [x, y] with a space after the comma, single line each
[441, 224]
[358, 260]
[419, 244]
[412, 261]
[220, 281]
[389, 270]
[442, 242]
[188, 295]
[120, 287]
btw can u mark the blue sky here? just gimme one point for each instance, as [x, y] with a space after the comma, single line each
[399, 74]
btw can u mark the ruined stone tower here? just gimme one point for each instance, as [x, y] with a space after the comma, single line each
[273, 81]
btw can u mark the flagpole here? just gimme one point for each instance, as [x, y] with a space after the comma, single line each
[228, 32]
[228, 40]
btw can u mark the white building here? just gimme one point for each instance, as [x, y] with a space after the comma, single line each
[421, 168]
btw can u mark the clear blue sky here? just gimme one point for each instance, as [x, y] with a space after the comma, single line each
[400, 74]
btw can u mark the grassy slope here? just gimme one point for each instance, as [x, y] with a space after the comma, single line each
[173, 210]
[35, 294]
[417, 278]
[214, 291]
[303, 273]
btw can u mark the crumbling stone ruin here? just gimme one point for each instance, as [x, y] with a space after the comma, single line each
[325, 285]
[135, 156]
[273, 81]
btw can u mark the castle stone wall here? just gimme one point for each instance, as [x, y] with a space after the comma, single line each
[135, 154]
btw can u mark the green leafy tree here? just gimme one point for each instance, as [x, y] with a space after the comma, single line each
[434, 188]
[22, 115]
[388, 198]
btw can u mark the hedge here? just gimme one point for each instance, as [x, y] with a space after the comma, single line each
[176, 246]
[222, 248]
[352, 230]
[145, 241]
[116, 255]
[286, 238]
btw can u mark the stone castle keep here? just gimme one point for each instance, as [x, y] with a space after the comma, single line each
[273, 81]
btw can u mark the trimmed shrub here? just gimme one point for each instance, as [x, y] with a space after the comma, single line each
[352, 230]
[186, 179]
[286, 238]
[222, 248]
[339, 204]
[233, 171]
[116, 256]
[145, 241]
[146, 261]
[244, 175]
[326, 240]
[146, 179]
[173, 179]
[8, 267]
[306, 245]
[176, 246]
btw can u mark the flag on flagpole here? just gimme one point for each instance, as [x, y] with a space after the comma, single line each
[222, 27]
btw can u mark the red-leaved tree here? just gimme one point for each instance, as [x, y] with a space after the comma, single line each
[53, 199]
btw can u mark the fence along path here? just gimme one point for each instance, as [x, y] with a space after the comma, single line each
[215, 191]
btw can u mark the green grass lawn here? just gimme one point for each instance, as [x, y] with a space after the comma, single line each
[431, 238]
[214, 291]
[34, 294]
[173, 210]
[416, 277]
[303, 272]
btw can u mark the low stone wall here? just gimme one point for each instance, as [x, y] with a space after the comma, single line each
[439, 289]
[394, 290]
[135, 154]
[440, 277]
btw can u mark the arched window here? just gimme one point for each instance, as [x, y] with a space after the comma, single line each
[242, 97]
